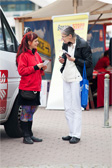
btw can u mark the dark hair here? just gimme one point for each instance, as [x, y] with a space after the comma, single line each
[69, 30]
[23, 47]
[106, 53]
[27, 29]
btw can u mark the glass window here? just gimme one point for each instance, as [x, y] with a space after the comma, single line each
[11, 7]
[1, 37]
[7, 38]
[23, 5]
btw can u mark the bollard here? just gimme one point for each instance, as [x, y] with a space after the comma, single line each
[106, 101]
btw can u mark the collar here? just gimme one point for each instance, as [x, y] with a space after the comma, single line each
[32, 51]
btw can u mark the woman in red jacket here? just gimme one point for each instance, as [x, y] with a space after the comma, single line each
[30, 67]
[103, 62]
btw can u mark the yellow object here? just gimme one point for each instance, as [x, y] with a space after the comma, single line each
[44, 47]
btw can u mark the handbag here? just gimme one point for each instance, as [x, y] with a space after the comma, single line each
[84, 84]
[29, 95]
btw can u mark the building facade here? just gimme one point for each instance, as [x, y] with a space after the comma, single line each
[14, 8]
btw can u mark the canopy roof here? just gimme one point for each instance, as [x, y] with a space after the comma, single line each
[100, 11]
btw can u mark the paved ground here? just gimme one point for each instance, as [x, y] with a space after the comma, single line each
[93, 151]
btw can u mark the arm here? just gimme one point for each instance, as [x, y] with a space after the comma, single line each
[44, 67]
[23, 69]
[107, 62]
[86, 56]
[62, 58]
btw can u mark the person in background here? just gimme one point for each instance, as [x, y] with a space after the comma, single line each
[72, 70]
[102, 65]
[103, 62]
[30, 66]
[27, 29]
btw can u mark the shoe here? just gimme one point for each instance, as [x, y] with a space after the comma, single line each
[74, 140]
[34, 139]
[27, 140]
[67, 138]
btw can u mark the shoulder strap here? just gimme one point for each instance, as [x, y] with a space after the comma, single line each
[84, 71]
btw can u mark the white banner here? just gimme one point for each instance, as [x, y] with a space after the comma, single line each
[80, 23]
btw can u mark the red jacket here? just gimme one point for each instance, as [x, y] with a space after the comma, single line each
[30, 78]
[102, 63]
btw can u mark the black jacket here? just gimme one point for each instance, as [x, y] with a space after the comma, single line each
[82, 53]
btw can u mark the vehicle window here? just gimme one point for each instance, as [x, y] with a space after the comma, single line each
[1, 38]
[7, 38]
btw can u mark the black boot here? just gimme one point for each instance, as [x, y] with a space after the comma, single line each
[30, 128]
[27, 139]
[34, 139]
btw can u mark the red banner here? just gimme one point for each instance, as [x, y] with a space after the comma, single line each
[3, 90]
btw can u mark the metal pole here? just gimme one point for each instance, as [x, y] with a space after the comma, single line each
[106, 101]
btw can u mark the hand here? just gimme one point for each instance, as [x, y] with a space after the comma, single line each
[61, 60]
[70, 58]
[44, 67]
[40, 65]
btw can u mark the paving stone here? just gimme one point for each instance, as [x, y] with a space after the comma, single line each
[93, 151]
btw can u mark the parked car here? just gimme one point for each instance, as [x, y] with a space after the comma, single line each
[9, 80]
